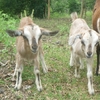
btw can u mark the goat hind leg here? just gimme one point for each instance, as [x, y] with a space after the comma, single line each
[77, 71]
[77, 66]
[81, 64]
[71, 59]
[45, 68]
[14, 74]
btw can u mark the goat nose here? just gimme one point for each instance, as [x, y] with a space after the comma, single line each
[89, 53]
[34, 47]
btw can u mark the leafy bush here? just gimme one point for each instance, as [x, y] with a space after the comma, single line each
[6, 22]
[7, 43]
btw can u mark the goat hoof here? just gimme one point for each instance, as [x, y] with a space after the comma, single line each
[16, 89]
[40, 88]
[71, 65]
[77, 76]
[81, 67]
[97, 73]
[46, 71]
[91, 92]
[13, 79]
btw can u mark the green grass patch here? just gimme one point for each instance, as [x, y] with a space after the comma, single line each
[2, 82]
[59, 83]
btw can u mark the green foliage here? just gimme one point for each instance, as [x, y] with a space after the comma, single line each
[89, 4]
[60, 6]
[73, 6]
[18, 6]
[6, 42]
[68, 6]
[6, 22]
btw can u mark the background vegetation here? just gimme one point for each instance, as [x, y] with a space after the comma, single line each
[15, 7]
[59, 83]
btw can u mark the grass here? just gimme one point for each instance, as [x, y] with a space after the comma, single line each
[59, 83]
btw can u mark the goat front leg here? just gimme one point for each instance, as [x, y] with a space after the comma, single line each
[45, 68]
[18, 71]
[37, 74]
[90, 76]
[81, 64]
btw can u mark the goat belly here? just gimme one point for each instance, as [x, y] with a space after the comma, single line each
[28, 55]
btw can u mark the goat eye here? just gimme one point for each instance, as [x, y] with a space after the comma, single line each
[83, 42]
[96, 43]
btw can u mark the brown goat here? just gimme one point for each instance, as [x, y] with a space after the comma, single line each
[96, 27]
[29, 46]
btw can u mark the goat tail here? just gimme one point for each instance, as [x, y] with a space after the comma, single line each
[74, 16]
[98, 25]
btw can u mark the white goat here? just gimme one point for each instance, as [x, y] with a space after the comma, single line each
[29, 46]
[83, 42]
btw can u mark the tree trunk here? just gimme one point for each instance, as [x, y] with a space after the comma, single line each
[48, 9]
[83, 8]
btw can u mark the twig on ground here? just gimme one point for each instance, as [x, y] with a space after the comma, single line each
[2, 64]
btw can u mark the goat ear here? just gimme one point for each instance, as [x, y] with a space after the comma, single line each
[71, 40]
[73, 37]
[47, 32]
[13, 33]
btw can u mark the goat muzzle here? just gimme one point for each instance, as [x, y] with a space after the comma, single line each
[89, 54]
[34, 49]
